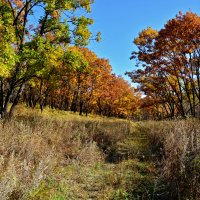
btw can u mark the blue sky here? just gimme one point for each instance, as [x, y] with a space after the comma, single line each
[121, 21]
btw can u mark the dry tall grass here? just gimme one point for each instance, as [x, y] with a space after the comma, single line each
[175, 146]
[57, 155]
[60, 156]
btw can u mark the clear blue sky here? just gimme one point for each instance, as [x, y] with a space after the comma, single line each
[121, 21]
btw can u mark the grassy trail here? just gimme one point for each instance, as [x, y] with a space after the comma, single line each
[60, 156]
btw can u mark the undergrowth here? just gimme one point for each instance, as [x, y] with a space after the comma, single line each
[57, 156]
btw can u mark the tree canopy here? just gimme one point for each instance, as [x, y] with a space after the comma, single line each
[169, 63]
[35, 36]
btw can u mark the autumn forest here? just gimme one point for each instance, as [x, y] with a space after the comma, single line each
[47, 64]
[72, 128]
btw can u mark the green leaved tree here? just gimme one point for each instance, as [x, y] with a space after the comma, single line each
[34, 35]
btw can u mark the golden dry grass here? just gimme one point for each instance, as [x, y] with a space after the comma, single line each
[58, 155]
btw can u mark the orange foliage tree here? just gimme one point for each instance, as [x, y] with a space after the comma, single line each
[169, 62]
[82, 82]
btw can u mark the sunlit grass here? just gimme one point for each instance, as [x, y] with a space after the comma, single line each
[22, 110]
[61, 155]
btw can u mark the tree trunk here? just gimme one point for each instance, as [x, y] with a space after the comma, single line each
[1, 97]
[16, 99]
[81, 107]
